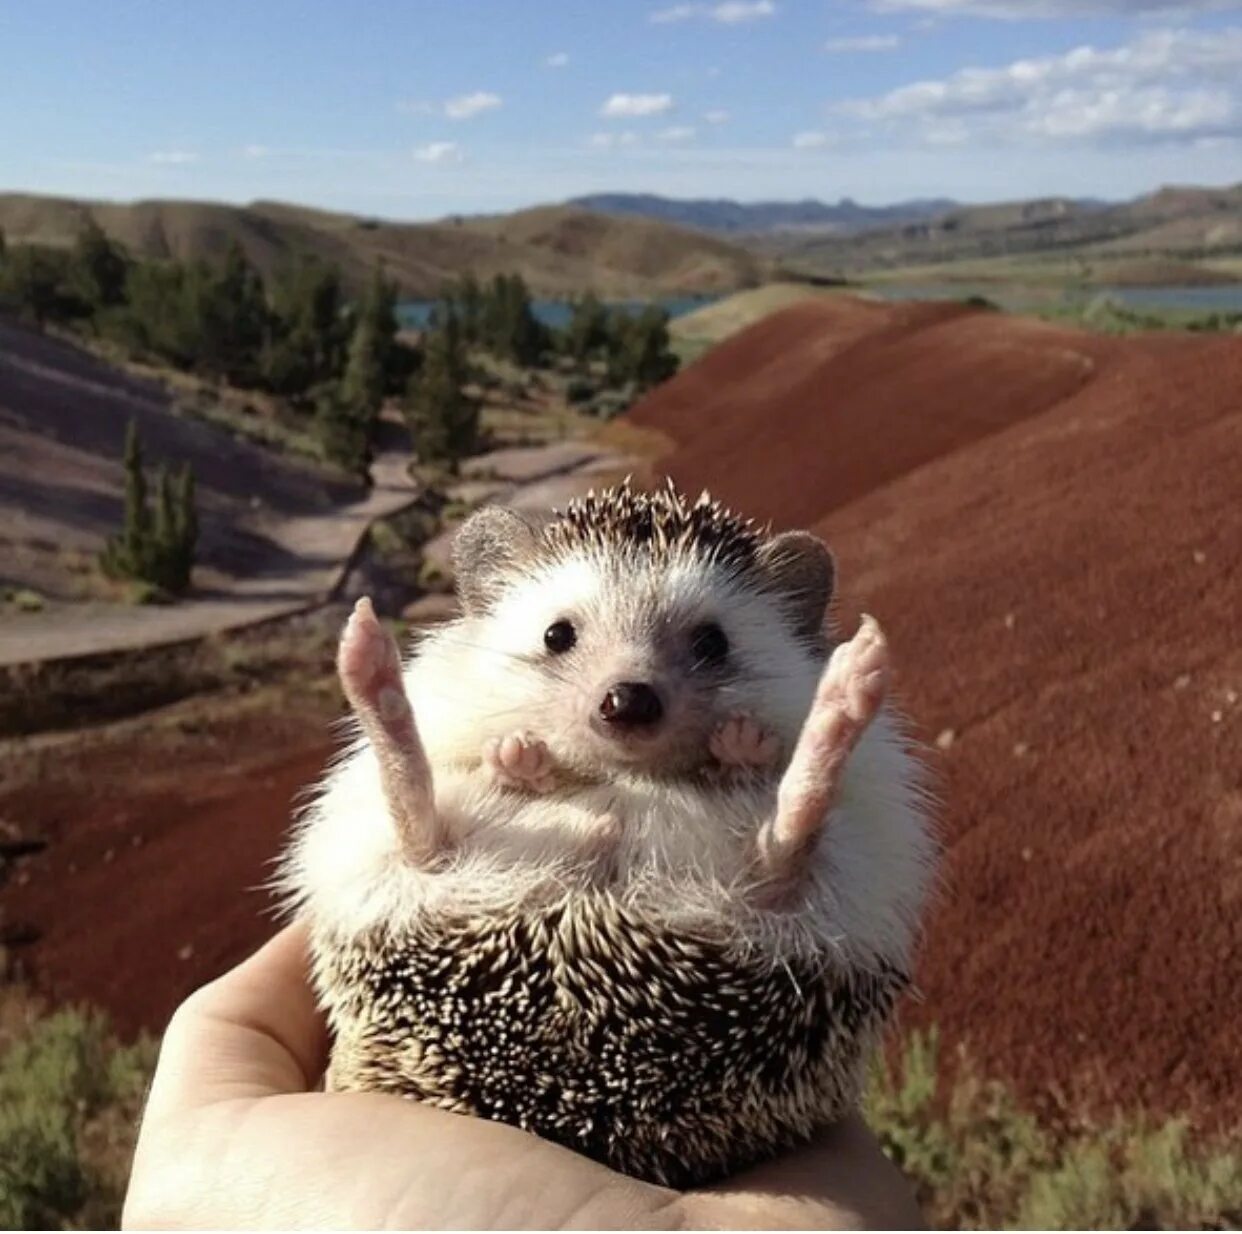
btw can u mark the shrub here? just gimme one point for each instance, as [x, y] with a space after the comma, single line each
[69, 1102]
[979, 1161]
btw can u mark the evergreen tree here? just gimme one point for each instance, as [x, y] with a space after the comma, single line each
[308, 331]
[378, 313]
[137, 530]
[156, 548]
[509, 327]
[100, 268]
[443, 420]
[364, 379]
[587, 331]
[228, 309]
[344, 436]
[35, 280]
[639, 350]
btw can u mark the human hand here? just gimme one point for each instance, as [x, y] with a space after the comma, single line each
[234, 1137]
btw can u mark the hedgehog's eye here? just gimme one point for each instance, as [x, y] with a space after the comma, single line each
[559, 637]
[709, 644]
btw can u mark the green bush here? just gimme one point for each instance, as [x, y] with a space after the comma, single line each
[69, 1103]
[979, 1161]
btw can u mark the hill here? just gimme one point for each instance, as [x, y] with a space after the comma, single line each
[760, 217]
[559, 249]
[1191, 223]
[1045, 522]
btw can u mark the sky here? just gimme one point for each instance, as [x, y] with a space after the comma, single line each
[417, 109]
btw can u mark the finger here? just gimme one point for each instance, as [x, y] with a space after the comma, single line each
[254, 1032]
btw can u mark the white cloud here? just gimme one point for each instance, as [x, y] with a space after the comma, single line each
[809, 140]
[636, 105]
[727, 12]
[1015, 10]
[608, 141]
[172, 158]
[731, 12]
[678, 132]
[557, 60]
[467, 105]
[1162, 85]
[863, 42]
[439, 152]
[255, 151]
[718, 115]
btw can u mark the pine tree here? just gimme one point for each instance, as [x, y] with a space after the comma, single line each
[137, 528]
[100, 267]
[587, 331]
[156, 548]
[344, 436]
[639, 350]
[443, 420]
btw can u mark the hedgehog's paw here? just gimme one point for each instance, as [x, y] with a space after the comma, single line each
[369, 666]
[856, 678]
[740, 742]
[520, 761]
[850, 693]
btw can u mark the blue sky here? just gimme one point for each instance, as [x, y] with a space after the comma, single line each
[420, 109]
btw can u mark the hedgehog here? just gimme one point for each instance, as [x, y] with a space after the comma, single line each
[630, 855]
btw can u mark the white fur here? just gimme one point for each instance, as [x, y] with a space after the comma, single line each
[684, 850]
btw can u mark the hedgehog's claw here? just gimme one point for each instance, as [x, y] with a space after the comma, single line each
[849, 695]
[740, 742]
[520, 761]
[369, 666]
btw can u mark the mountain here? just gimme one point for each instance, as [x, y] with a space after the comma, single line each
[557, 249]
[762, 217]
[1186, 223]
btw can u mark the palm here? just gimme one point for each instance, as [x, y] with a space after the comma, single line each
[234, 1138]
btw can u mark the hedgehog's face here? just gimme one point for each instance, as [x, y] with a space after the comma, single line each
[635, 664]
[628, 660]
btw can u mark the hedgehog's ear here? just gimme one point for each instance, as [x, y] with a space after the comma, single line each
[487, 545]
[800, 570]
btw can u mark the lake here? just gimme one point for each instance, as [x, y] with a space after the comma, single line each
[556, 313]
[1222, 299]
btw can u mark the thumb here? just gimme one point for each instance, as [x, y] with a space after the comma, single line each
[254, 1032]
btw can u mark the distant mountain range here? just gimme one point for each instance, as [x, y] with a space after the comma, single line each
[1185, 222]
[764, 217]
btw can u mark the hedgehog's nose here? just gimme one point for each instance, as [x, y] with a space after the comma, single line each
[631, 704]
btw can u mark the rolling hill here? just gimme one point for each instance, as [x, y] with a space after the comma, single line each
[1045, 523]
[557, 249]
[762, 217]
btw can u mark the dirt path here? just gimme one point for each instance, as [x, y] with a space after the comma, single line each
[307, 555]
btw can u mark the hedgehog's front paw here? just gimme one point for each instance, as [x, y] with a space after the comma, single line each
[520, 761]
[740, 742]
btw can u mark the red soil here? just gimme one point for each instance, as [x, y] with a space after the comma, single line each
[152, 882]
[1048, 526]
[1065, 596]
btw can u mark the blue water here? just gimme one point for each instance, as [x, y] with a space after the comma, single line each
[1223, 299]
[556, 313]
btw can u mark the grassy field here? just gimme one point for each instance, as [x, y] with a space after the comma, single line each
[70, 1095]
